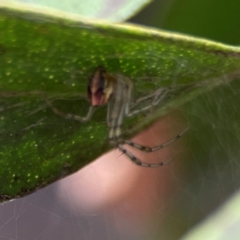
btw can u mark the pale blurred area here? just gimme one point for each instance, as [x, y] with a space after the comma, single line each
[133, 199]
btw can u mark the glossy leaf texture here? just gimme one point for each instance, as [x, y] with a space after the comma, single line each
[50, 56]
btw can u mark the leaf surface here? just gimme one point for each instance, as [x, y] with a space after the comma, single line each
[50, 56]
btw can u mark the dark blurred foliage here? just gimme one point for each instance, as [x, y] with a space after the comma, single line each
[213, 19]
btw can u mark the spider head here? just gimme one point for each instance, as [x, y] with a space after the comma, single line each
[100, 87]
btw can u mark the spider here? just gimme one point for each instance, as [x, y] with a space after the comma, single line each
[116, 91]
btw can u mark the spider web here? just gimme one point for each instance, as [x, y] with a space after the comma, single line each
[114, 199]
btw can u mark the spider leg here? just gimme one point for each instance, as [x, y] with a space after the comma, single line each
[115, 127]
[149, 96]
[152, 149]
[118, 107]
[157, 97]
[5, 108]
[139, 162]
[71, 116]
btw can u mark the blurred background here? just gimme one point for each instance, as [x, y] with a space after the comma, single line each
[114, 199]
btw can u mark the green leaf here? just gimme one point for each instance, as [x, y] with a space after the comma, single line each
[48, 56]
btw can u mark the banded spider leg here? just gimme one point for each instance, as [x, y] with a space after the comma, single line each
[103, 89]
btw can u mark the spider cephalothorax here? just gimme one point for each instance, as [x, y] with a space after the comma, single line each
[100, 87]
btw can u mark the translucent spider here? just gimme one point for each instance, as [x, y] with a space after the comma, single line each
[116, 91]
